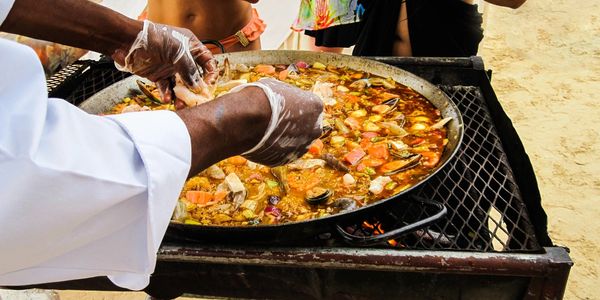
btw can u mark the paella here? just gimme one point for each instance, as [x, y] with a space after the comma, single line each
[379, 139]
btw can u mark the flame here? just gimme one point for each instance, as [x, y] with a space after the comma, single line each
[377, 229]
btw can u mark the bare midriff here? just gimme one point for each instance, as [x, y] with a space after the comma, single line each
[208, 19]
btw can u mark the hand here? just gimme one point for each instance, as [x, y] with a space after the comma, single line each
[161, 51]
[295, 123]
[272, 122]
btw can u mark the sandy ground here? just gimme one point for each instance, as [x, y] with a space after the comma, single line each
[546, 62]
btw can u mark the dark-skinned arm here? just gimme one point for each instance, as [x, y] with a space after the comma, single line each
[227, 126]
[76, 23]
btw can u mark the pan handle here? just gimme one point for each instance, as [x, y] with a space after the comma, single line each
[395, 233]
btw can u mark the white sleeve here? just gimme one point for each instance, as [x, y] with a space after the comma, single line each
[81, 195]
[5, 6]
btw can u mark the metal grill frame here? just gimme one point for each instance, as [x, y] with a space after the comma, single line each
[324, 272]
[476, 182]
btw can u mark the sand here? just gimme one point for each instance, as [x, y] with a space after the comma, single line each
[546, 62]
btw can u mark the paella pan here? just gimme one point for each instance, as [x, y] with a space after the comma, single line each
[386, 131]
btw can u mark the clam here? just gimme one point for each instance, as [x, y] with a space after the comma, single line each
[147, 90]
[317, 195]
[398, 166]
[360, 84]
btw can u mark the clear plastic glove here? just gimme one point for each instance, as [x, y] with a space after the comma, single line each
[161, 51]
[296, 117]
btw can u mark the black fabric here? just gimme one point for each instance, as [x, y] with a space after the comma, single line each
[443, 28]
[437, 28]
[520, 164]
[336, 36]
[378, 30]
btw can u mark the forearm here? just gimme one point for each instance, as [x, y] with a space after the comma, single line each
[77, 23]
[507, 3]
[227, 126]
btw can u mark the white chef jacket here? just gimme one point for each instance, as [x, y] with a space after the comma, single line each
[80, 195]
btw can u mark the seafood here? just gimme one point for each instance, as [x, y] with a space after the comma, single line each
[379, 138]
[333, 162]
[376, 186]
[281, 174]
[345, 204]
[318, 195]
[398, 166]
[150, 91]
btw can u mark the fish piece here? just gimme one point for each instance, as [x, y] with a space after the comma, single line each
[348, 180]
[376, 186]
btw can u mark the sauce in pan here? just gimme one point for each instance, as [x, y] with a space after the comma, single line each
[380, 138]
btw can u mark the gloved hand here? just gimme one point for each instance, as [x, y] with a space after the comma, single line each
[296, 117]
[161, 51]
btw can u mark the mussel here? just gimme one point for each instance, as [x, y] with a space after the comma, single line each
[273, 199]
[326, 131]
[280, 173]
[392, 103]
[398, 166]
[377, 81]
[318, 195]
[334, 163]
[399, 149]
[145, 88]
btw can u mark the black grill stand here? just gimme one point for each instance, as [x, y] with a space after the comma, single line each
[493, 244]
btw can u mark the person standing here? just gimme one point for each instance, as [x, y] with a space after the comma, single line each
[234, 23]
[450, 28]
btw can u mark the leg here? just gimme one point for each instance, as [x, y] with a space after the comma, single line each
[402, 46]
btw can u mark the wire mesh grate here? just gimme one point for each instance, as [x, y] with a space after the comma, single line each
[485, 209]
[86, 79]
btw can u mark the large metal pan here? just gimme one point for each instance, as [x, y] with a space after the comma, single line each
[107, 98]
